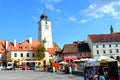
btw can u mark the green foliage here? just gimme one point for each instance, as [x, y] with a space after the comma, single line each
[44, 41]
[39, 52]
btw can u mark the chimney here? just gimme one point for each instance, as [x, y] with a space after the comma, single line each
[30, 40]
[14, 42]
[6, 45]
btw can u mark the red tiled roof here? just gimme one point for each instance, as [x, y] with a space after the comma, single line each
[51, 50]
[2, 50]
[10, 46]
[97, 38]
[2, 41]
[2, 46]
[25, 46]
[76, 48]
[56, 48]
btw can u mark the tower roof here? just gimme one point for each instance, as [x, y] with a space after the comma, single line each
[111, 30]
[44, 16]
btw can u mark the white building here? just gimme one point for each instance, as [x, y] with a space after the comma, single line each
[45, 32]
[105, 44]
[45, 37]
[23, 51]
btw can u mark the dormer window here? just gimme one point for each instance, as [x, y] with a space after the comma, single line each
[27, 47]
[20, 47]
[32, 47]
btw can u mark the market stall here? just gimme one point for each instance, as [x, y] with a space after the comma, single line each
[111, 65]
[62, 65]
[80, 64]
[108, 64]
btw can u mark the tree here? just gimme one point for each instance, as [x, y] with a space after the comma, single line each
[39, 52]
[44, 41]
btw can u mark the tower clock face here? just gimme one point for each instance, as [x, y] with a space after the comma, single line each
[46, 27]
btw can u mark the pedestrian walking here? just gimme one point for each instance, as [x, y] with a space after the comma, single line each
[85, 72]
[70, 71]
[53, 69]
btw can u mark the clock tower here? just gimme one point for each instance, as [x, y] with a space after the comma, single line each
[44, 31]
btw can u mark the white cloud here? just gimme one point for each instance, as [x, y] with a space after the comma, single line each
[74, 19]
[92, 6]
[49, 4]
[71, 18]
[83, 21]
[100, 8]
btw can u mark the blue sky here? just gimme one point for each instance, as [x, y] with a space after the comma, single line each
[72, 20]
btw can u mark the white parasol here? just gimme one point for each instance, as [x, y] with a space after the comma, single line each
[63, 62]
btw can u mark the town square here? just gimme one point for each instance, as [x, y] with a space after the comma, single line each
[60, 40]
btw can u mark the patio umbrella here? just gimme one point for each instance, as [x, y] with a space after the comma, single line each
[63, 62]
[93, 62]
[105, 59]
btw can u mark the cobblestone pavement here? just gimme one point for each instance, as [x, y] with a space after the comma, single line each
[36, 75]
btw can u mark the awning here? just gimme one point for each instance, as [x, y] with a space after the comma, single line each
[63, 62]
[30, 61]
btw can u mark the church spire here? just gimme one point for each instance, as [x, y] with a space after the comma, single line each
[111, 30]
[43, 16]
